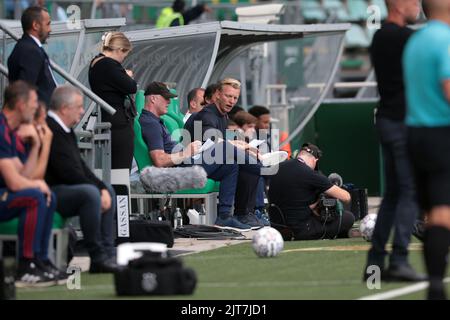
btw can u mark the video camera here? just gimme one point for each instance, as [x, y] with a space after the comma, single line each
[329, 208]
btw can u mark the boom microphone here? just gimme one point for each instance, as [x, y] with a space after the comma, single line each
[169, 180]
[336, 179]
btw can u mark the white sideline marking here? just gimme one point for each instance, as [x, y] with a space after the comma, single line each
[400, 292]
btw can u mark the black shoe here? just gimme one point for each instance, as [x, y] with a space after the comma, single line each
[60, 276]
[404, 273]
[436, 291]
[29, 274]
[104, 266]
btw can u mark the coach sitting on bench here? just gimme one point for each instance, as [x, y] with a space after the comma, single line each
[162, 153]
[78, 191]
[293, 197]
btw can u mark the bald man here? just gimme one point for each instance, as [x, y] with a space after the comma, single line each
[426, 65]
[398, 210]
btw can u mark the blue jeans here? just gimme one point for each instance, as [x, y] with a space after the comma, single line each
[227, 170]
[84, 200]
[398, 208]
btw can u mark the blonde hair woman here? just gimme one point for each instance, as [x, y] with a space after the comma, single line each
[111, 82]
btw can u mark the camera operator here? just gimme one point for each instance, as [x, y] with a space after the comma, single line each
[303, 202]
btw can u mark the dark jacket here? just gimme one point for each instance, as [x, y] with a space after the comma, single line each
[30, 63]
[65, 165]
[109, 80]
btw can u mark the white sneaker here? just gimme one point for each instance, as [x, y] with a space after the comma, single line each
[273, 158]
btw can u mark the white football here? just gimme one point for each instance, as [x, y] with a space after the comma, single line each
[367, 226]
[267, 242]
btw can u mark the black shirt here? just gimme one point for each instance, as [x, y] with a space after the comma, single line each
[109, 80]
[211, 119]
[295, 187]
[386, 54]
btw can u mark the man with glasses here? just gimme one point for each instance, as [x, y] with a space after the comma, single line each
[294, 197]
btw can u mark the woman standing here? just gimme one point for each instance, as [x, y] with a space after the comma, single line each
[111, 82]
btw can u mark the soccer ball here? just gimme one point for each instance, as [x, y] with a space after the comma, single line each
[267, 242]
[367, 226]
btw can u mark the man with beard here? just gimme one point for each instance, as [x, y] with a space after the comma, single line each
[28, 60]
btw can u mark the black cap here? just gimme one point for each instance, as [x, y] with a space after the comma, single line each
[312, 149]
[159, 88]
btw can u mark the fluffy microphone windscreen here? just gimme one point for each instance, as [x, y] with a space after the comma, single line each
[169, 180]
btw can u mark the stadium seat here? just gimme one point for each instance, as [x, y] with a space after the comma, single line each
[356, 37]
[337, 9]
[312, 11]
[357, 10]
[8, 232]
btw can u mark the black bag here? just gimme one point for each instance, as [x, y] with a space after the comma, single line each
[154, 275]
[360, 205]
[130, 108]
[149, 231]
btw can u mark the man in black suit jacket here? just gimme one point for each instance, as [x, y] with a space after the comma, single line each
[28, 60]
[78, 191]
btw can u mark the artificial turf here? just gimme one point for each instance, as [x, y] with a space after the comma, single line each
[323, 269]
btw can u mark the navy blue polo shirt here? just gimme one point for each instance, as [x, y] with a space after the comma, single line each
[155, 134]
[210, 118]
[8, 144]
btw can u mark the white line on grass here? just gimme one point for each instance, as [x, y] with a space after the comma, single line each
[400, 292]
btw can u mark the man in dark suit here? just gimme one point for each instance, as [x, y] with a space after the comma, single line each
[78, 191]
[28, 60]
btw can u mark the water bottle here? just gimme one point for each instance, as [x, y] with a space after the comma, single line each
[202, 215]
[178, 221]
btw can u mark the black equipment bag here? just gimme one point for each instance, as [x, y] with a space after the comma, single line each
[149, 231]
[154, 275]
[360, 205]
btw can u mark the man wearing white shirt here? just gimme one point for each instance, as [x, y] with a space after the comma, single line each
[196, 102]
[28, 60]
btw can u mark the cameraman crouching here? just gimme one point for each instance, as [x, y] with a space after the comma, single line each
[295, 208]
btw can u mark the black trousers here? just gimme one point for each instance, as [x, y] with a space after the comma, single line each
[122, 147]
[314, 229]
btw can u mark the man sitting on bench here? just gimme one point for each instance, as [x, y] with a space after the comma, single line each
[21, 196]
[161, 150]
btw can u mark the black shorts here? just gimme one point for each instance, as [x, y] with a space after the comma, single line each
[429, 149]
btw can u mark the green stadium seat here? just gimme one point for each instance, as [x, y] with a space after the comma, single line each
[312, 11]
[356, 37]
[337, 9]
[357, 10]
